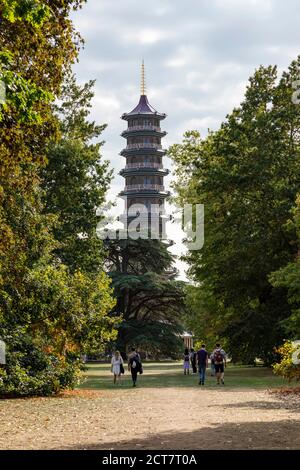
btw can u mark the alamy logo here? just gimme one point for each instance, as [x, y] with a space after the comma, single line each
[149, 222]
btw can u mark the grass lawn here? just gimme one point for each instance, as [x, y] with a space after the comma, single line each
[157, 375]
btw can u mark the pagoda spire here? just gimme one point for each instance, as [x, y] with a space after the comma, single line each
[143, 84]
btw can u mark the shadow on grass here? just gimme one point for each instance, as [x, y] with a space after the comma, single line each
[284, 434]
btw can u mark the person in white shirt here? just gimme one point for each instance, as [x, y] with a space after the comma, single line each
[117, 366]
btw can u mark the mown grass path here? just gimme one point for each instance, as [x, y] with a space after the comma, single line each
[98, 376]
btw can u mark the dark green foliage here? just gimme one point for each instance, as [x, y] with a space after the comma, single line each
[139, 256]
[288, 278]
[75, 181]
[148, 297]
[53, 303]
[31, 371]
[247, 174]
[159, 339]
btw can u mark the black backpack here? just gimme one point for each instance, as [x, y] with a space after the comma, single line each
[135, 363]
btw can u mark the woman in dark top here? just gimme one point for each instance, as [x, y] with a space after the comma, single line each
[186, 362]
[193, 357]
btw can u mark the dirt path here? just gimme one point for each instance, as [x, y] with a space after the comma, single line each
[165, 418]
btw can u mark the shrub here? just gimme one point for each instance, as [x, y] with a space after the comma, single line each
[286, 367]
[30, 371]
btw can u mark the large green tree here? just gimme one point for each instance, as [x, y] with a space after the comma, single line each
[38, 44]
[74, 184]
[149, 298]
[48, 312]
[247, 175]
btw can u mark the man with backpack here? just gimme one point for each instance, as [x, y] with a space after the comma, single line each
[219, 358]
[202, 356]
[134, 365]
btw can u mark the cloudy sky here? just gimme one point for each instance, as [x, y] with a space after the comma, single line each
[198, 56]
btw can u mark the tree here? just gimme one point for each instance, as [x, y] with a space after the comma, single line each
[149, 298]
[37, 44]
[288, 277]
[75, 180]
[74, 184]
[200, 318]
[48, 313]
[247, 176]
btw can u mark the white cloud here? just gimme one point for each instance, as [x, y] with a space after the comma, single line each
[146, 36]
[176, 62]
[198, 58]
[239, 4]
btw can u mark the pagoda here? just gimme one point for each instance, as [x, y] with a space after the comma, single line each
[144, 192]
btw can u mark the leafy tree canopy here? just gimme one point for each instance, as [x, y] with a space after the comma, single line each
[50, 311]
[288, 277]
[247, 175]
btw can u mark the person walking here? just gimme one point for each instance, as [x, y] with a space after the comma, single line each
[202, 356]
[117, 366]
[193, 358]
[219, 356]
[186, 362]
[134, 365]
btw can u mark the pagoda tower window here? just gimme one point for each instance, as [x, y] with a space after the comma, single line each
[147, 180]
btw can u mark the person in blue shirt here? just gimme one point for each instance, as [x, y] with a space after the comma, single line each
[202, 356]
